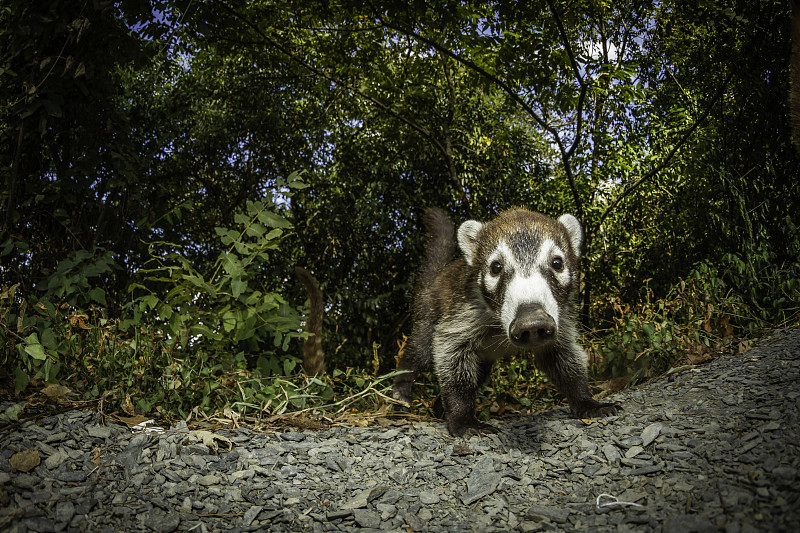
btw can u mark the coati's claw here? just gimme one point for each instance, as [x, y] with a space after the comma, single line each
[471, 430]
[595, 409]
[512, 291]
[406, 399]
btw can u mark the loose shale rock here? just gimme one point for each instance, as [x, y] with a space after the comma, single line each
[714, 448]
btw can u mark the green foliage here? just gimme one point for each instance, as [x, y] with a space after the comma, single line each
[181, 327]
[226, 308]
[516, 382]
[46, 334]
[148, 234]
[709, 312]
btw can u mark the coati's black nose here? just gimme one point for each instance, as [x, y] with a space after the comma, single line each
[532, 326]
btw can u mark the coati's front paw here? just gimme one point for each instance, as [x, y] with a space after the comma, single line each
[403, 389]
[595, 409]
[470, 429]
[402, 396]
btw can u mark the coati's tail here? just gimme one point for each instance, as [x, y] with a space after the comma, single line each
[417, 355]
[440, 248]
[313, 355]
[794, 95]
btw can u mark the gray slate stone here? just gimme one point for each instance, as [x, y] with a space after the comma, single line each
[162, 522]
[706, 464]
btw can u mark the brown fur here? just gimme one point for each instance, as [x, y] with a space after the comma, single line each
[458, 325]
[313, 354]
[794, 95]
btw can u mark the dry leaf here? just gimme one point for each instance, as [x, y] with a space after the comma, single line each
[210, 439]
[57, 392]
[127, 406]
[132, 420]
[462, 449]
[231, 415]
[96, 458]
[742, 347]
[25, 461]
[699, 359]
[79, 321]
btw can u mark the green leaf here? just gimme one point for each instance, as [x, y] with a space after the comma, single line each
[20, 380]
[238, 286]
[274, 234]
[243, 248]
[150, 300]
[165, 311]
[273, 220]
[98, 295]
[198, 282]
[49, 339]
[202, 329]
[12, 413]
[256, 230]
[648, 330]
[228, 321]
[35, 350]
[232, 265]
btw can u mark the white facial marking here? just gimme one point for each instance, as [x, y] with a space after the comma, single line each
[528, 285]
[499, 255]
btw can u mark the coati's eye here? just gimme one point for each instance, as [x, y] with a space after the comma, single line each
[557, 264]
[495, 268]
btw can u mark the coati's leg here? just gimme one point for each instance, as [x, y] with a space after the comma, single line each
[459, 387]
[567, 369]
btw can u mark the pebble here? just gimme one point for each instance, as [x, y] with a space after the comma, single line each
[715, 449]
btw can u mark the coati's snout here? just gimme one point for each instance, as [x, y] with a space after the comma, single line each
[511, 292]
[532, 327]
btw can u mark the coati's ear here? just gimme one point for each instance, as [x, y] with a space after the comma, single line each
[574, 231]
[468, 238]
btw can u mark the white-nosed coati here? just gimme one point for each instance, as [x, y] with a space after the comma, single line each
[313, 354]
[512, 291]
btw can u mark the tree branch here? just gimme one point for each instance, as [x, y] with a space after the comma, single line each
[377, 103]
[494, 79]
[655, 170]
[448, 144]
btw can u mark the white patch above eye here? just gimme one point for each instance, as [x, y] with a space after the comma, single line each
[468, 238]
[554, 251]
[574, 231]
[502, 254]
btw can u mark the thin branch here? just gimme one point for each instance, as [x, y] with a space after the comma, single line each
[583, 84]
[567, 45]
[655, 170]
[380, 105]
[294, 57]
[491, 77]
[566, 154]
[448, 143]
[579, 124]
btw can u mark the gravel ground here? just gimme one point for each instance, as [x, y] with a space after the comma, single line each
[714, 448]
